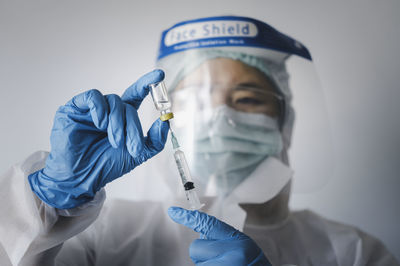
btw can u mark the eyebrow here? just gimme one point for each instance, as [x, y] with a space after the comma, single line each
[249, 84]
[242, 84]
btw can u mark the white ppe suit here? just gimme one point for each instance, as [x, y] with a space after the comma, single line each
[141, 233]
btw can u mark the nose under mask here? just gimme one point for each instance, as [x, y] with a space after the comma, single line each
[229, 145]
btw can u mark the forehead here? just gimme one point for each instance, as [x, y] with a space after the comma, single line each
[225, 71]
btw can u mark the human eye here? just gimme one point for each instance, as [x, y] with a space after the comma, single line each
[245, 98]
[254, 101]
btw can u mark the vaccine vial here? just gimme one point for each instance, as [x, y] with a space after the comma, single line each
[161, 101]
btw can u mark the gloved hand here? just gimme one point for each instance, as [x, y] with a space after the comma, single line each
[96, 139]
[219, 243]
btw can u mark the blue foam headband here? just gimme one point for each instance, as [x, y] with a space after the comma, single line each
[227, 31]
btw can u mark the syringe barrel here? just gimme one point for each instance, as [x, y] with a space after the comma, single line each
[186, 178]
[160, 97]
[182, 167]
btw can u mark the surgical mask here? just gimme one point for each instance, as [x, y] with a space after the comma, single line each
[229, 145]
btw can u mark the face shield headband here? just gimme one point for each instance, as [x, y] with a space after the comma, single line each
[227, 31]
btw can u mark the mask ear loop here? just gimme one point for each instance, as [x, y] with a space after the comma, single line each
[282, 112]
[281, 99]
[282, 104]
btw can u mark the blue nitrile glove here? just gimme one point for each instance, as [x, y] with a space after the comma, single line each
[220, 243]
[96, 139]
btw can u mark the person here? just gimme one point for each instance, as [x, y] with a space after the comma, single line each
[228, 79]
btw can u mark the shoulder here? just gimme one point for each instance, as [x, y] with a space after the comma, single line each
[351, 245]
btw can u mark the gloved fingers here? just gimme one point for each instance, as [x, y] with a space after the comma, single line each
[134, 133]
[93, 101]
[203, 250]
[203, 223]
[232, 258]
[116, 121]
[216, 262]
[135, 94]
[156, 137]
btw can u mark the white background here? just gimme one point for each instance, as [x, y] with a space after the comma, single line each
[52, 50]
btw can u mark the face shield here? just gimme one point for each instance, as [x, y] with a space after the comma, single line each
[234, 84]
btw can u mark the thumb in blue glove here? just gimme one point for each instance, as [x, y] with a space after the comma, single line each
[220, 243]
[95, 139]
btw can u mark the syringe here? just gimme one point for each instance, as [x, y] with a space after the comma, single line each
[187, 182]
[162, 104]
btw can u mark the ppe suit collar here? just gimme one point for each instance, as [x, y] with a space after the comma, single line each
[265, 183]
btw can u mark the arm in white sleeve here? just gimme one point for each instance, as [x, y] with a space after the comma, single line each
[32, 232]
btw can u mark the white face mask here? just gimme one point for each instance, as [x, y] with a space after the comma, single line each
[230, 145]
